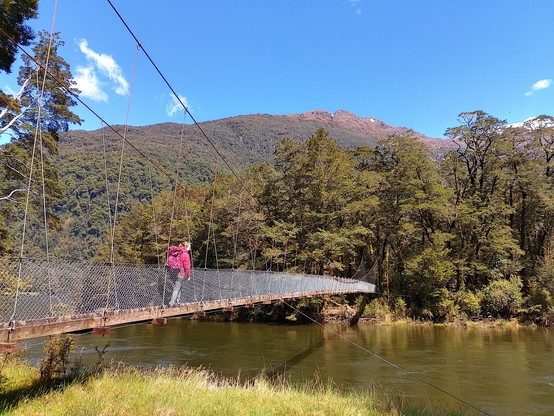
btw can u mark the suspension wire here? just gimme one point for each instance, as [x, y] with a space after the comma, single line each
[173, 206]
[110, 219]
[187, 212]
[235, 263]
[154, 222]
[45, 218]
[175, 189]
[236, 233]
[210, 223]
[37, 128]
[120, 173]
[255, 251]
[122, 153]
[390, 363]
[184, 189]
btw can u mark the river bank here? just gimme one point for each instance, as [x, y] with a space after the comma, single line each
[183, 391]
[352, 310]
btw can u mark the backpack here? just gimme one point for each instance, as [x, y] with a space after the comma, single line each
[173, 259]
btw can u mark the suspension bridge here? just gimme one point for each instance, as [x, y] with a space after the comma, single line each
[59, 296]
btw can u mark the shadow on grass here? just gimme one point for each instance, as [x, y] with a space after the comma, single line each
[11, 398]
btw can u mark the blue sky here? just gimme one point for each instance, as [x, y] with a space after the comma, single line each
[411, 63]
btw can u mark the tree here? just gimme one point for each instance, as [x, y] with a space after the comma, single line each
[43, 112]
[13, 15]
[313, 199]
[414, 209]
[541, 130]
[143, 234]
[484, 247]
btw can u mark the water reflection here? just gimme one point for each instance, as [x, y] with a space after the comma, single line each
[503, 371]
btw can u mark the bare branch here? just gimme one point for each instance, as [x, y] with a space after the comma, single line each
[9, 196]
[5, 110]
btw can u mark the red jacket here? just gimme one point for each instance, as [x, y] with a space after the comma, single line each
[178, 258]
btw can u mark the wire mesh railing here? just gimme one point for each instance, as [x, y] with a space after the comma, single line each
[34, 289]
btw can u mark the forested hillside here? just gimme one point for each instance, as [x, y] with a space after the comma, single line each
[88, 162]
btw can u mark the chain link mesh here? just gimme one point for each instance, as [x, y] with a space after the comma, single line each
[37, 289]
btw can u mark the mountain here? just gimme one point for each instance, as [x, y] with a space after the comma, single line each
[242, 140]
[534, 122]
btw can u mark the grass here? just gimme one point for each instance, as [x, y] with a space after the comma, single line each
[180, 391]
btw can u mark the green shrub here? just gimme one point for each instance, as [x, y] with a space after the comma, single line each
[468, 304]
[379, 310]
[445, 308]
[56, 356]
[539, 304]
[502, 298]
[400, 308]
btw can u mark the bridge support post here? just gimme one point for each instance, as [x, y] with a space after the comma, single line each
[103, 330]
[7, 347]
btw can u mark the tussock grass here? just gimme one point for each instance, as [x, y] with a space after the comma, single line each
[182, 391]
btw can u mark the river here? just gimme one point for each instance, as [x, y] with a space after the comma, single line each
[501, 371]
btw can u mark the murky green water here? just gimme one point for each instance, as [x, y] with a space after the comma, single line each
[501, 371]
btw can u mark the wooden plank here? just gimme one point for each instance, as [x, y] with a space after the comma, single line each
[103, 330]
[8, 347]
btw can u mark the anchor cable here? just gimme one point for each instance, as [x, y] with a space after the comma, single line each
[390, 363]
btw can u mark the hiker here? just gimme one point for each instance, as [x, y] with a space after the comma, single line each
[179, 260]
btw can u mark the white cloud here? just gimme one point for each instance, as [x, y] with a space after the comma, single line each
[355, 3]
[89, 84]
[539, 85]
[175, 106]
[107, 66]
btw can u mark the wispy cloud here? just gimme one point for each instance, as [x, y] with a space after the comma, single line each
[88, 80]
[539, 85]
[89, 84]
[356, 5]
[175, 106]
